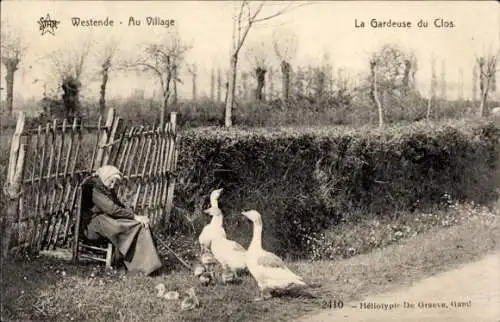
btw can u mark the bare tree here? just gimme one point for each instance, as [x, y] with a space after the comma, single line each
[11, 54]
[69, 65]
[285, 47]
[192, 69]
[375, 90]
[257, 54]
[487, 70]
[249, 14]
[212, 85]
[443, 81]
[433, 87]
[394, 70]
[162, 59]
[219, 85]
[461, 84]
[106, 62]
[474, 83]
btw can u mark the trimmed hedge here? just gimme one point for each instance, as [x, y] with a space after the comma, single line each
[305, 180]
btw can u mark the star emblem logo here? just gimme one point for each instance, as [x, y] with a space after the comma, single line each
[48, 25]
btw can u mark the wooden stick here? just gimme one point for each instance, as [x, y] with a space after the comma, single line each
[142, 136]
[94, 152]
[170, 250]
[111, 138]
[104, 139]
[37, 218]
[43, 194]
[135, 146]
[130, 141]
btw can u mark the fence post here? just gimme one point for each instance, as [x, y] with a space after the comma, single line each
[13, 185]
[172, 168]
[102, 148]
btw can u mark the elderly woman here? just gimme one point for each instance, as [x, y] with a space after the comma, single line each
[105, 216]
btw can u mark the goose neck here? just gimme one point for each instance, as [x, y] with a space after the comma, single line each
[256, 242]
[216, 220]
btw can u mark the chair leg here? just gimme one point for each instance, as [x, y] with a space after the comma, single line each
[109, 256]
[116, 257]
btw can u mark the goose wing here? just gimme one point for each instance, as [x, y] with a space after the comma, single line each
[237, 247]
[276, 269]
[270, 260]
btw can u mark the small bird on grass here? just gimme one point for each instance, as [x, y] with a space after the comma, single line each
[191, 301]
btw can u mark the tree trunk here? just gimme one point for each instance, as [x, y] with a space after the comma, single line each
[244, 80]
[261, 79]
[320, 78]
[483, 86]
[285, 74]
[194, 86]
[166, 93]
[212, 86]
[226, 86]
[270, 75]
[406, 77]
[484, 97]
[219, 85]
[174, 76]
[11, 67]
[474, 83]
[375, 95]
[102, 98]
[429, 106]
[228, 121]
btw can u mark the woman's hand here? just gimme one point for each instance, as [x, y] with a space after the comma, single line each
[144, 220]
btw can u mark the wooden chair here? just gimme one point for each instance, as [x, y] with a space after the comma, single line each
[100, 250]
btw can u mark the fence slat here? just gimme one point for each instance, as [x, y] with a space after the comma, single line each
[104, 139]
[13, 187]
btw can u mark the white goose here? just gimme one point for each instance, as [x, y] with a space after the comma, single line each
[228, 253]
[269, 270]
[215, 225]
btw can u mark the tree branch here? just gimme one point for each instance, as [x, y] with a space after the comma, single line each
[286, 9]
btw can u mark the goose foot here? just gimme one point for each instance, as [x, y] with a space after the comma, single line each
[264, 295]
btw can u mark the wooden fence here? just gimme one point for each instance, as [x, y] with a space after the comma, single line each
[47, 164]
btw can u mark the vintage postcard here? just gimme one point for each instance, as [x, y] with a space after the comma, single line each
[250, 160]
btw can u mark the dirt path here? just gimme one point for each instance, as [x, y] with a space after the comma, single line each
[469, 293]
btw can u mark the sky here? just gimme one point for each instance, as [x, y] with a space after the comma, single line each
[322, 27]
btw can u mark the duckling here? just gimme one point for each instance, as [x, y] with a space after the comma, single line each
[198, 270]
[160, 289]
[191, 301]
[172, 295]
[208, 259]
[162, 292]
[206, 278]
[215, 225]
[269, 270]
[227, 277]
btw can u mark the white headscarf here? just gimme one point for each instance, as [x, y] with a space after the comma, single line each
[107, 173]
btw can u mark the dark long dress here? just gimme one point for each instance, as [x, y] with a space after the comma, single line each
[105, 216]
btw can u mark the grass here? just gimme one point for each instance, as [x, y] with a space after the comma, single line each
[52, 289]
